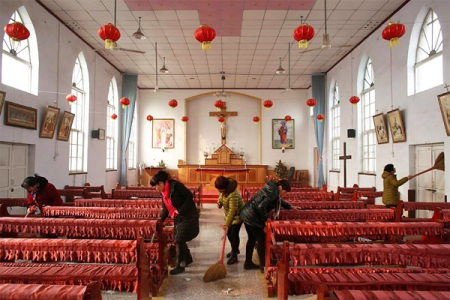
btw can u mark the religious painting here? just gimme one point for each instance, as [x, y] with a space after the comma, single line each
[2, 100]
[20, 116]
[163, 133]
[396, 126]
[65, 126]
[283, 136]
[49, 122]
[381, 129]
[444, 104]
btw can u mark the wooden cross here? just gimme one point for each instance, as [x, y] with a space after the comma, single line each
[223, 128]
[345, 157]
[446, 86]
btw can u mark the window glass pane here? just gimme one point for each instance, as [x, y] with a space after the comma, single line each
[429, 74]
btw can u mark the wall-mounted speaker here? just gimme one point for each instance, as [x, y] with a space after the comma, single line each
[351, 133]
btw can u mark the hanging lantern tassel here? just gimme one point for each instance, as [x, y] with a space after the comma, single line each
[303, 34]
[205, 35]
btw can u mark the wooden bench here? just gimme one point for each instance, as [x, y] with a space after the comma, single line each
[101, 212]
[147, 203]
[314, 195]
[12, 291]
[9, 202]
[130, 194]
[346, 193]
[327, 204]
[71, 194]
[342, 215]
[367, 196]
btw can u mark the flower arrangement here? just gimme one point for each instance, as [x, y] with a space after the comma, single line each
[281, 170]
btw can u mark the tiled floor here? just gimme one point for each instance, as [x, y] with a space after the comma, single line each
[205, 249]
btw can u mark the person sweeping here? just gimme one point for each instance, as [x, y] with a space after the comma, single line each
[391, 196]
[178, 203]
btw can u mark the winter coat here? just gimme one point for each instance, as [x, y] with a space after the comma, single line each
[390, 188]
[232, 203]
[255, 212]
[48, 195]
[186, 223]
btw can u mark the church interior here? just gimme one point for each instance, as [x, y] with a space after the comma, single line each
[99, 96]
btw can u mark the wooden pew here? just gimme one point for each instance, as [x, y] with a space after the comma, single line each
[143, 203]
[131, 194]
[327, 204]
[314, 195]
[101, 212]
[71, 194]
[346, 193]
[9, 202]
[342, 215]
[367, 196]
[91, 291]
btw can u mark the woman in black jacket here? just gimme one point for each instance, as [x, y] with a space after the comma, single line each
[178, 203]
[254, 214]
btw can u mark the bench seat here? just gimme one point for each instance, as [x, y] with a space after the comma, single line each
[54, 292]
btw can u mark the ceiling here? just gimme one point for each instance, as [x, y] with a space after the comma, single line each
[251, 37]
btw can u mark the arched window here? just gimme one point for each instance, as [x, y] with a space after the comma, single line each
[111, 127]
[367, 112]
[78, 134]
[132, 145]
[20, 60]
[429, 61]
[335, 128]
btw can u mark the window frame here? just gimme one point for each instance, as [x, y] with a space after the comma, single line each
[335, 130]
[111, 127]
[368, 137]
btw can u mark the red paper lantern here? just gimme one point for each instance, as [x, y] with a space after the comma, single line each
[71, 98]
[256, 119]
[221, 119]
[173, 103]
[110, 34]
[17, 31]
[311, 102]
[268, 104]
[320, 117]
[185, 119]
[354, 100]
[287, 118]
[205, 35]
[125, 102]
[149, 118]
[219, 104]
[393, 32]
[303, 34]
[113, 116]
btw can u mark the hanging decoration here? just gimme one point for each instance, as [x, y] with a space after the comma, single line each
[354, 100]
[125, 102]
[184, 119]
[149, 118]
[205, 35]
[256, 119]
[393, 32]
[311, 102]
[173, 103]
[303, 34]
[320, 117]
[110, 34]
[71, 98]
[219, 104]
[221, 119]
[113, 116]
[268, 104]
[287, 118]
[17, 31]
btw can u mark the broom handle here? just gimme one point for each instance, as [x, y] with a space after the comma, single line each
[427, 170]
[223, 245]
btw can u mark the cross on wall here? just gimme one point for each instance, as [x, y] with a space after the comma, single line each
[344, 158]
[224, 113]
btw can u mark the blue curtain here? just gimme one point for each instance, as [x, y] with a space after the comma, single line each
[129, 90]
[318, 93]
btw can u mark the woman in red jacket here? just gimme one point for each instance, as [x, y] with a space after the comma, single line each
[40, 193]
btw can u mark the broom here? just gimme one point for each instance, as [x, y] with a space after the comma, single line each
[217, 271]
[439, 164]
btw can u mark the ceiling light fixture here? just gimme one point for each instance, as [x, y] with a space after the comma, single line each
[280, 69]
[164, 70]
[222, 93]
[139, 34]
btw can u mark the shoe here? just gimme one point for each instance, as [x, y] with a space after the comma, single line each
[177, 270]
[189, 259]
[233, 259]
[229, 253]
[250, 266]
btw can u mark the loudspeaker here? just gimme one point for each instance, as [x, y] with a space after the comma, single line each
[351, 133]
[95, 134]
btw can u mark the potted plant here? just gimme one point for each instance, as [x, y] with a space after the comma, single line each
[281, 170]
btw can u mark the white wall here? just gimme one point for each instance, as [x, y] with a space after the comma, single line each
[421, 113]
[58, 49]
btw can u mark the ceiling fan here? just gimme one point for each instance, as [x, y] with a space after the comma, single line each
[326, 37]
[115, 47]
[222, 93]
[289, 89]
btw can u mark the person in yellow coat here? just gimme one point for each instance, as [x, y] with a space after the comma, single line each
[231, 201]
[391, 196]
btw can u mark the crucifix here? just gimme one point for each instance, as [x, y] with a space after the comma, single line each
[223, 127]
[446, 86]
[345, 157]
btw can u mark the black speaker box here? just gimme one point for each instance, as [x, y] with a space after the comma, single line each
[351, 133]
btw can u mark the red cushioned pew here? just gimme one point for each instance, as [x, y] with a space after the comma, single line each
[55, 292]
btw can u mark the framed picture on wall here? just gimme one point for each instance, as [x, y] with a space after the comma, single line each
[2, 100]
[396, 126]
[444, 104]
[20, 116]
[163, 133]
[283, 134]
[381, 129]
[49, 122]
[65, 126]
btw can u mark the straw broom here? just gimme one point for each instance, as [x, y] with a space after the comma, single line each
[217, 271]
[439, 164]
